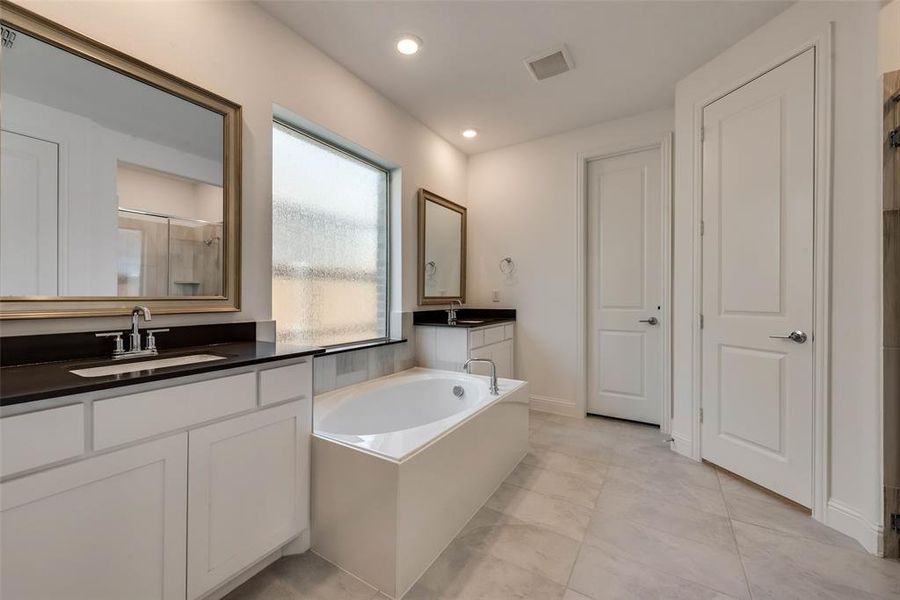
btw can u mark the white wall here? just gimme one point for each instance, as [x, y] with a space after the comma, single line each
[855, 435]
[240, 52]
[889, 37]
[522, 204]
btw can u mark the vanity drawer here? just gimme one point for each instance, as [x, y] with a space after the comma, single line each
[476, 339]
[293, 382]
[508, 331]
[128, 418]
[40, 438]
[494, 335]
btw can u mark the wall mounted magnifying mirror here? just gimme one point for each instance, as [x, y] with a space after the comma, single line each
[442, 250]
[118, 182]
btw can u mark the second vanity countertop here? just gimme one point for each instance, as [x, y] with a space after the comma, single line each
[34, 381]
[468, 318]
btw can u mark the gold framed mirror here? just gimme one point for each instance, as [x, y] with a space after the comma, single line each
[442, 250]
[120, 183]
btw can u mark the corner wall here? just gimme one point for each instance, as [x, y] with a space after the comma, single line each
[855, 437]
[239, 51]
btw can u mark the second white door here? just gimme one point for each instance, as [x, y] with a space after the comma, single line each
[758, 198]
[625, 286]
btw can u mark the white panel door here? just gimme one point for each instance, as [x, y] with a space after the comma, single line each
[625, 286]
[29, 196]
[108, 527]
[248, 493]
[758, 196]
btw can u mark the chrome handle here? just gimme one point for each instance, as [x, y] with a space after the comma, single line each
[120, 346]
[151, 340]
[795, 336]
[651, 321]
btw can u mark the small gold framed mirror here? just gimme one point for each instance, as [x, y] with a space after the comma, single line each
[442, 250]
[120, 184]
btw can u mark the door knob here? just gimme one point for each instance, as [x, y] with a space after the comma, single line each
[651, 321]
[795, 336]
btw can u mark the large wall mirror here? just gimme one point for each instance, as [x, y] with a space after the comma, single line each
[442, 250]
[118, 182]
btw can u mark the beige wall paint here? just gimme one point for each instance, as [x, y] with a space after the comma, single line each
[889, 37]
[242, 53]
[522, 204]
[855, 403]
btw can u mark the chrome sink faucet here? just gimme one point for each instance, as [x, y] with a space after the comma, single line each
[134, 338]
[451, 312]
[495, 390]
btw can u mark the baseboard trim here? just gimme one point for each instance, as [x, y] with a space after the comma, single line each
[850, 521]
[557, 406]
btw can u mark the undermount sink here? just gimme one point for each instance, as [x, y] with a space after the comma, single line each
[145, 365]
[469, 321]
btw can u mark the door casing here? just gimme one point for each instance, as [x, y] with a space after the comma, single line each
[822, 45]
[664, 145]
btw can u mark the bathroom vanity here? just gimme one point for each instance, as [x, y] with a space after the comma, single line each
[476, 333]
[163, 483]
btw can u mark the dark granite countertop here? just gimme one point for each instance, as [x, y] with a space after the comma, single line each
[37, 367]
[468, 318]
[31, 382]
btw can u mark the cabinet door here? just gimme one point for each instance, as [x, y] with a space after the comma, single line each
[501, 354]
[482, 368]
[503, 357]
[108, 527]
[248, 493]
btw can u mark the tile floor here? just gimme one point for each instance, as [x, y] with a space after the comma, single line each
[603, 509]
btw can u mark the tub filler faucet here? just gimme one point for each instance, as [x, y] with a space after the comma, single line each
[495, 390]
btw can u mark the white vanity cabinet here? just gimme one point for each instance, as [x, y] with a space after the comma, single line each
[109, 526]
[164, 493]
[246, 478]
[439, 347]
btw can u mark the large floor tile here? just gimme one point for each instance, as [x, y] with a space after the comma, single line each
[750, 504]
[553, 483]
[603, 575]
[464, 573]
[575, 442]
[659, 551]
[573, 595]
[304, 576]
[670, 488]
[560, 516]
[544, 457]
[786, 566]
[671, 517]
[531, 547]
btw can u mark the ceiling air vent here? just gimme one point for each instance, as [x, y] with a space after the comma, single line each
[549, 63]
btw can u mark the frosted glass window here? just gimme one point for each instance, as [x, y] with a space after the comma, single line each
[329, 243]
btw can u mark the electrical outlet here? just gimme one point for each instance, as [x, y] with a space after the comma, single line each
[895, 522]
[495, 296]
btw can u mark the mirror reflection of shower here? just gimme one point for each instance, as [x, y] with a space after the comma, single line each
[168, 255]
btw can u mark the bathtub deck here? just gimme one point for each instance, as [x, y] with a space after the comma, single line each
[602, 509]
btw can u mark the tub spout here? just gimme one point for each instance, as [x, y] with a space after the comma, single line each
[495, 390]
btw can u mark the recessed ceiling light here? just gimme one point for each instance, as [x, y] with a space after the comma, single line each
[469, 133]
[408, 44]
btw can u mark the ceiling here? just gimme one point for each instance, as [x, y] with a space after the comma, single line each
[628, 56]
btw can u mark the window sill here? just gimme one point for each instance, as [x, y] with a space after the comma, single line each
[359, 346]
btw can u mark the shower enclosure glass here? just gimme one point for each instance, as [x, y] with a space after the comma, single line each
[165, 255]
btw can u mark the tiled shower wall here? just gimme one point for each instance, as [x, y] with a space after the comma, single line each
[346, 368]
[891, 216]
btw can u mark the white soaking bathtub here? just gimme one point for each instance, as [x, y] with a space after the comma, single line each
[401, 463]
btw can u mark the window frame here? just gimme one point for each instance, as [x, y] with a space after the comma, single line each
[388, 173]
